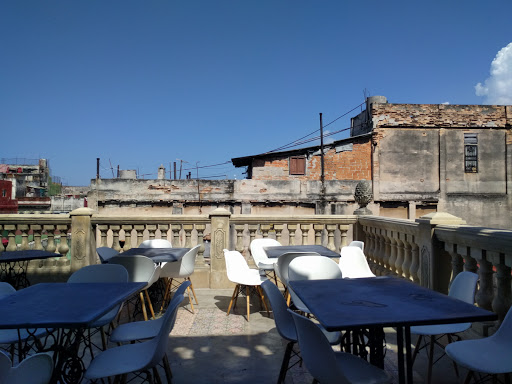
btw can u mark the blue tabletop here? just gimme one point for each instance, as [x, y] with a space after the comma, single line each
[383, 301]
[29, 254]
[62, 305]
[158, 255]
[275, 252]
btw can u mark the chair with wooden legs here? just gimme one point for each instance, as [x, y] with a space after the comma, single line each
[245, 278]
[264, 264]
[182, 270]
[140, 269]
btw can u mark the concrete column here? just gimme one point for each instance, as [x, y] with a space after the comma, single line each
[435, 262]
[412, 210]
[83, 241]
[220, 241]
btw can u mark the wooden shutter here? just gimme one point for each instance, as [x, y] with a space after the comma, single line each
[297, 165]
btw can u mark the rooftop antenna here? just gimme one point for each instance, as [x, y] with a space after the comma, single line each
[181, 164]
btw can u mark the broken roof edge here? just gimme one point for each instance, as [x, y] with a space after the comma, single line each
[246, 160]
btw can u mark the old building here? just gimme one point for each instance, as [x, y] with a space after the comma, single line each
[420, 158]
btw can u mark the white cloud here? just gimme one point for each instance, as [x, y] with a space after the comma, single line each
[446, 103]
[497, 89]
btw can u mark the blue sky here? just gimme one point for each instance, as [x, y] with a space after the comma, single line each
[144, 83]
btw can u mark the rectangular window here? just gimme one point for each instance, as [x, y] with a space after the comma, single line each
[470, 153]
[297, 165]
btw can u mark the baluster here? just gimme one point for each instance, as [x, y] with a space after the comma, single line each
[164, 229]
[376, 251]
[399, 255]
[139, 233]
[279, 231]
[331, 230]
[406, 266]
[485, 294]
[50, 231]
[187, 228]
[175, 232]
[382, 252]
[415, 265]
[11, 234]
[501, 302]
[343, 234]
[200, 240]
[386, 256]
[151, 231]
[264, 228]
[292, 228]
[36, 230]
[103, 235]
[369, 244]
[318, 229]
[127, 228]
[253, 228]
[2, 248]
[115, 237]
[391, 247]
[305, 233]
[63, 244]
[239, 230]
[456, 260]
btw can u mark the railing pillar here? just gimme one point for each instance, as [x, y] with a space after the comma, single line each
[83, 242]
[220, 241]
[435, 262]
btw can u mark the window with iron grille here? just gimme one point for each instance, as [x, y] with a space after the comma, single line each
[297, 165]
[470, 153]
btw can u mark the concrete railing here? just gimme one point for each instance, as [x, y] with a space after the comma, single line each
[429, 251]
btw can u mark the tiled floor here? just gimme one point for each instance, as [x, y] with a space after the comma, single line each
[209, 347]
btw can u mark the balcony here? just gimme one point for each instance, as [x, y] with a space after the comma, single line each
[429, 251]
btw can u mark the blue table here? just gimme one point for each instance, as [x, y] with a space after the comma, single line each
[378, 302]
[67, 308]
[275, 252]
[158, 255]
[14, 264]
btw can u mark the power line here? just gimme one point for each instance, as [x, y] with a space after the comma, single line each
[299, 142]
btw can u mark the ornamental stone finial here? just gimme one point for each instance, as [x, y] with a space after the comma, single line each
[363, 195]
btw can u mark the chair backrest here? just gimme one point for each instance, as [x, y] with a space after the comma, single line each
[316, 352]
[140, 268]
[100, 273]
[356, 243]
[236, 265]
[6, 289]
[313, 268]
[35, 369]
[156, 243]
[284, 261]
[353, 263]
[105, 253]
[282, 318]
[158, 345]
[258, 253]
[503, 335]
[181, 268]
[463, 287]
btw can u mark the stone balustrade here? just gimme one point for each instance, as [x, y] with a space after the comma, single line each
[429, 251]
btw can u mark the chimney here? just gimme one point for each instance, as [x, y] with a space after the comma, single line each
[161, 172]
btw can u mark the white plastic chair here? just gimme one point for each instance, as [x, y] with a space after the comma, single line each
[353, 263]
[10, 336]
[328, 366]
[281, 268]
[101, 273]
[357, 243]
[140, 269]
[156, 243]
[311, 268]
[181, 269]
[138, 357]
[490, 355]
[262, 261]
[286, 328]
[239, 273]
[463, 288]
[105, 253]
[35, 369]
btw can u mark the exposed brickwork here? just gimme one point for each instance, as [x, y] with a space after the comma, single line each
[440, 115]
[347, 165]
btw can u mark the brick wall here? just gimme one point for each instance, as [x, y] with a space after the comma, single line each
[347, 165]
[440, 115]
